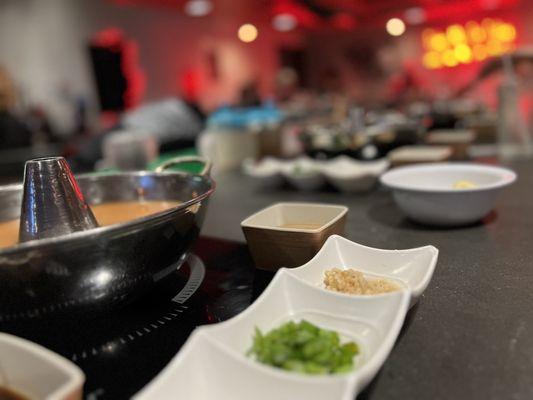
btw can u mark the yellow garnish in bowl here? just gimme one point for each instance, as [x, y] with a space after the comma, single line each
[464, 185]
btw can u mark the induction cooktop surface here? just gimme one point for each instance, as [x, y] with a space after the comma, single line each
[121, 351]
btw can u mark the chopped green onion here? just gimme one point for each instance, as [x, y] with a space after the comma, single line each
[305, 348]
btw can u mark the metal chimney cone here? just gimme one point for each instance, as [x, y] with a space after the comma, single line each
[52, 203]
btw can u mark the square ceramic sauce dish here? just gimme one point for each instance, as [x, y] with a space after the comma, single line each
[290, 234]
[35, 372]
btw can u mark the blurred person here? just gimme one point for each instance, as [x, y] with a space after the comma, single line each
[39, 124]
[516, 66]
[7, 90]
[81, 116]
[286, 84]
[521, 63]
[329, 81]
[250, 95]
[172, 122]
[405, 87]
[13, 133]
[510, 70]
[290, 96]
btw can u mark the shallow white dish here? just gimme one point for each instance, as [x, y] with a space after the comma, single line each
[344, 173]
[206, 370]
[213, 362]
[426, 194]
[351, 176]
[34, 371]
[304, 174]
[268, 172]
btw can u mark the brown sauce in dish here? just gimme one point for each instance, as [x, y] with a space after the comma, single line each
[106, 214]
[301, 226]
[8, 394]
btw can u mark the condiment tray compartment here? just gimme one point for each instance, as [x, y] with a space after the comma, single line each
[373, 321]
[412, 268]
[206, 370]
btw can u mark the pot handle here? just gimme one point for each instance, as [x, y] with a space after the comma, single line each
[187, 159]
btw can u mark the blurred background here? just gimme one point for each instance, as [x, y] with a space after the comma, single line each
[127, 83]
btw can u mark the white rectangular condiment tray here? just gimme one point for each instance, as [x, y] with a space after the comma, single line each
[213, 362]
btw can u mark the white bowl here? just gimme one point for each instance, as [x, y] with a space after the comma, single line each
[34, 371]
[426, 193]
[351, 176]
[304, 174]
[268, 172]
[213, 362]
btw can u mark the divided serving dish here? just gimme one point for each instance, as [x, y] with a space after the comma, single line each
[213, 362]
[304, 173]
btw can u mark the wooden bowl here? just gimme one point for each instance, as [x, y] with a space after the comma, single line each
[290, 234]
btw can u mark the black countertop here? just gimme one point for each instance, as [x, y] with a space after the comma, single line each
[470, 335]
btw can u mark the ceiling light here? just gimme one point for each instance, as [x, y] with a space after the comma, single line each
[448, 58]
[247, 33]
[284, 22]
[455, 34]
[198, 8]
[463, 53]
[432, 60]
[395, 27]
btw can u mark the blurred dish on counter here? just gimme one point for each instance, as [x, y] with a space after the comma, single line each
[458, 139]
[236, 133]
[419, 154]
[343, 173]
[447, 194]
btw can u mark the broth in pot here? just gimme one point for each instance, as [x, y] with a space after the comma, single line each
[106, 214]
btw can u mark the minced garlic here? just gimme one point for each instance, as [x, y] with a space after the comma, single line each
[353, 282]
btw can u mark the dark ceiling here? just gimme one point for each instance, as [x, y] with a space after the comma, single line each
[362, 12]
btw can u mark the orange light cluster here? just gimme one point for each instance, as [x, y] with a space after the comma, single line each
[474, 41]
